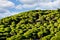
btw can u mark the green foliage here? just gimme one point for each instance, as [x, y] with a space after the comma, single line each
[32, 25]
[56, 37]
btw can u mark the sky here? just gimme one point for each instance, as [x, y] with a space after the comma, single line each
[11, 7]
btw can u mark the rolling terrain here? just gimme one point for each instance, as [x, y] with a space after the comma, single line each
[31, 25]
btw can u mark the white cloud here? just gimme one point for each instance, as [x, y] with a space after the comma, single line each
[26, 6]
[28, 1]
[50, 5]
[45, 1]
[29, 5]
[5, 13]
[40, 4]
[19, 6]
[6, 4]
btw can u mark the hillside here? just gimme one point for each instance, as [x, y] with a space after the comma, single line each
[31, 25]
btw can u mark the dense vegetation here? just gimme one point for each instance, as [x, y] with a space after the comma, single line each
[31, 25]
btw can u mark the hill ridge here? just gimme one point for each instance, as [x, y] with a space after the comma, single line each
[34, 24]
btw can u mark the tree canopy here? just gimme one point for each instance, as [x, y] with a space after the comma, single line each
[32, 25]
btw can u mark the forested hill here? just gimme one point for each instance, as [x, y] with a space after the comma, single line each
[31, 25]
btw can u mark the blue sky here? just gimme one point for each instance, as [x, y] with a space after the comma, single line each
[11, 7]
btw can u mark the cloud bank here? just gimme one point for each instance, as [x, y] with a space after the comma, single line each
[22, 5]
[40, 4]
